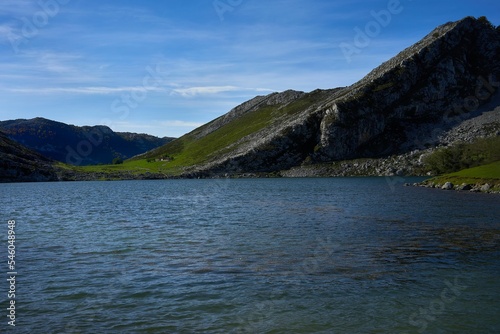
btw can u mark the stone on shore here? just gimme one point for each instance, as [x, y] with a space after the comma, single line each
[486, 188]
[465, 187]
[447, 186]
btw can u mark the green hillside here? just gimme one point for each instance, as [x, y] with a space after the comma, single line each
[195, 148]
[490, 171]
[213, 140]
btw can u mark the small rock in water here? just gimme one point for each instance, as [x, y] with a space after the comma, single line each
[447, 186]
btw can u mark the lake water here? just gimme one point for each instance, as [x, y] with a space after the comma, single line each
[346, 255]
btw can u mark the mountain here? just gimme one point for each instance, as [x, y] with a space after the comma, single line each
[17, 163]
[78, 145]
[406, 104]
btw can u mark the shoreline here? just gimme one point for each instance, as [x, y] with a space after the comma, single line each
[478, 187]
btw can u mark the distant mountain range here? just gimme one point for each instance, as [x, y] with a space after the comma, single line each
[428, 95]
[87, 145]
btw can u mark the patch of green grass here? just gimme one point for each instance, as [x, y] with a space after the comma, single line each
[135, 168]
[478, 175]
[490, 171]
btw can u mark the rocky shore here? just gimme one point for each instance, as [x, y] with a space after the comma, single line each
[479, 187]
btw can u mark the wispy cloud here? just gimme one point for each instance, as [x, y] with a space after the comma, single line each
[84, 90]
[210, 90]
[193, 91]
[48, 68]
[16, 8]
[6, 30]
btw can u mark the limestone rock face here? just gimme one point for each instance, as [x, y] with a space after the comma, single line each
[450, 73]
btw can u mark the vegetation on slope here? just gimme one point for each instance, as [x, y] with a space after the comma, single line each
[463, 156]
[475, 164]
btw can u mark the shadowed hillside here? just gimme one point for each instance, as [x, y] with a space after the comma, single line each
[17, 163]
[78, 145]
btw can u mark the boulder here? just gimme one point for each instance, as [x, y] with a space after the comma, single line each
[447, 186]
[486, 188]
[465, 187]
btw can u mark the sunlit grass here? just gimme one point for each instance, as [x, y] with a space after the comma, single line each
[135, 168]
[490, 171]
[478, 175]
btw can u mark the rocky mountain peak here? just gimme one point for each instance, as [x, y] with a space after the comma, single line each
[403, 104]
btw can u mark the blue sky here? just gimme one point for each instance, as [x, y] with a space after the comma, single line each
[166, 67]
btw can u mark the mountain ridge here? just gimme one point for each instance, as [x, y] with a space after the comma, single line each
[426, 85]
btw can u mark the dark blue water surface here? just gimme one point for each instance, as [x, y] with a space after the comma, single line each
[347, 255]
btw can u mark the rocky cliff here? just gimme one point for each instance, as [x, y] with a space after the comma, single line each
[406, 104]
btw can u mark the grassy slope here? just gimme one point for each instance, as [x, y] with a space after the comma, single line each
[478, 175]
[189, 150]
[133, 168]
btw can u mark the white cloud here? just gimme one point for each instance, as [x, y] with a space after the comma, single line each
[84, 90]
[193, 91]
[16, 8]
[209, 90]
[6, 30]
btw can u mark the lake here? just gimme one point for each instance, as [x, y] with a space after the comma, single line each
[340, 255]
